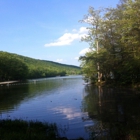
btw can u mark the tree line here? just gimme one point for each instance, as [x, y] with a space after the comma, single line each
[17, 67]
[114, 39]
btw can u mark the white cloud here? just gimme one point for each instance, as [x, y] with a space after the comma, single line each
[83, 30]
[59, 60]
[76, 58]
[68, 38]
[82, 52]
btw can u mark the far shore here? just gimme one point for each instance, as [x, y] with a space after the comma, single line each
[8, 82]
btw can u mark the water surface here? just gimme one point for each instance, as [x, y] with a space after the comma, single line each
[77, 109]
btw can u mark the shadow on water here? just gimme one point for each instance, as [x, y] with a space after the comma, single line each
[116, 112]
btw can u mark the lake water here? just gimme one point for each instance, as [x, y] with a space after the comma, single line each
[78, 110]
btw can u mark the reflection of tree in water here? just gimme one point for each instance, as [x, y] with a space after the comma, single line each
[114, 111]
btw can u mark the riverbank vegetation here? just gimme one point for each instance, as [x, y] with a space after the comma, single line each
[114, 39]
[17, 67]
[23, 130]
[29, 130]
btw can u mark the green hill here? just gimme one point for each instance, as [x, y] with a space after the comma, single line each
[17, 67]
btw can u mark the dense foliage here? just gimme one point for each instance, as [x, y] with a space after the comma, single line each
[12, 68]
[114, 39]
[17, 67]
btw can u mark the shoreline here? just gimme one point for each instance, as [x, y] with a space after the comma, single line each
[8, 82]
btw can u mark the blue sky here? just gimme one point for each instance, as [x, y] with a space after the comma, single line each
[46, 29]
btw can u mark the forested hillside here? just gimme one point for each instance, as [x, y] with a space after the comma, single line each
[17, 67]
[114, 39]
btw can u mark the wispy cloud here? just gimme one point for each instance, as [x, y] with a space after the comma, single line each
[76, 58]
[59, 60]
[82, 52]
[68, 38]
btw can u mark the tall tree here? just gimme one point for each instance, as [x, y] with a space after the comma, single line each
[117, 32]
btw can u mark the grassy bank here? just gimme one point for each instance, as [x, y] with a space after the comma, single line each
[23, 130]
[29, 130]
